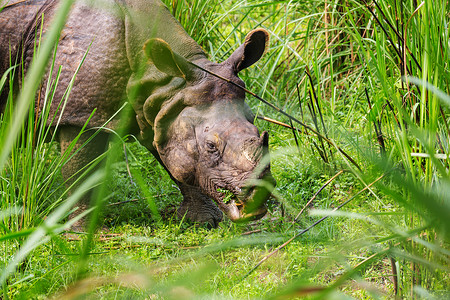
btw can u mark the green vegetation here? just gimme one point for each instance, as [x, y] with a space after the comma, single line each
[227, 195]
[370, 80]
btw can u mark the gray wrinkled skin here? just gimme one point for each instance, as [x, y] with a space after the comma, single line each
[196, 125]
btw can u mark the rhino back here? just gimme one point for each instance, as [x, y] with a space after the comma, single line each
[113, 33]
[14, 19]
[98, 35]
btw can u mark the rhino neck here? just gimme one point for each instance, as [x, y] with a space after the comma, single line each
[148, 19]
[149, 90]
[159, 100]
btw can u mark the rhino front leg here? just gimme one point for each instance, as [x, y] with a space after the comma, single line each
[198, 207]
[81, 159]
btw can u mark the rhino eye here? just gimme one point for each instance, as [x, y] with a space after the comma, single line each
[211, 147]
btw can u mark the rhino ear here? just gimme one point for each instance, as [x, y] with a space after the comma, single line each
[251, 51]
[160, 53]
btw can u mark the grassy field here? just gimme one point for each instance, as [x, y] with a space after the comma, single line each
[366, 86]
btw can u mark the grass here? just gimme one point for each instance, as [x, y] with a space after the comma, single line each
[369, 77]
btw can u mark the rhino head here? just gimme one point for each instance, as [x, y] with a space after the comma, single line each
[205, 135]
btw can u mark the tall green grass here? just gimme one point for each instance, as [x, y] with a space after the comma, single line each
[356, 64]
[370, 77]
[29, 172]
[373, 78]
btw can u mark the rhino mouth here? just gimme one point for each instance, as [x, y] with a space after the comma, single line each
[239, 208]
[247, 203]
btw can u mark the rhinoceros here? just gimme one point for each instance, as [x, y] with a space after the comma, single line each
[195, 124]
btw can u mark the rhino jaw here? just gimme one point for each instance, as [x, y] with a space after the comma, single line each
[248, 203]
[236, 211]
[239, 211]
